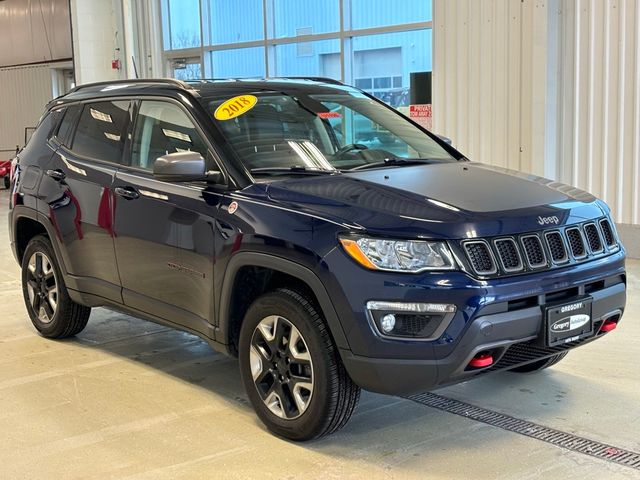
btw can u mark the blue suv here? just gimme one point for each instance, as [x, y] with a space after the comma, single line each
[323, 238]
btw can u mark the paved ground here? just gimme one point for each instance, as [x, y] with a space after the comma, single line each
[130, 399]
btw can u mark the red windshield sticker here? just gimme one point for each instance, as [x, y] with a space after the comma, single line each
[329, 115]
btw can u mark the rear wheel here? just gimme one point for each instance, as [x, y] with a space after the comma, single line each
[291, 369]
[7, 181]
[540, 364]
[50, 308]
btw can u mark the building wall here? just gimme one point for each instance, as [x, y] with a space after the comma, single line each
[23, 95]
[598, 107]
[34, 31]
[549, 87]
[98, 38]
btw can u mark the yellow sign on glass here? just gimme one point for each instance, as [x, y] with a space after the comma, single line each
[235, 107]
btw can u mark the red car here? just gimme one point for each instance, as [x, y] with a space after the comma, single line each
[5, 172]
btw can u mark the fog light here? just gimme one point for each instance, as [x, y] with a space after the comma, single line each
[410, 321]
[388, 323]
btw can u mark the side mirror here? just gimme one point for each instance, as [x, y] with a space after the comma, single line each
[446, 140]
[182, 167]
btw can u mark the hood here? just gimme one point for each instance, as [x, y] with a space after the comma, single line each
[447, 200]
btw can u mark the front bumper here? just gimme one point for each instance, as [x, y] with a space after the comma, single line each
[501, 315]
[512, 337]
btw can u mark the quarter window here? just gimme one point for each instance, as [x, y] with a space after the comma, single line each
[102, 130]
[163, 128]
[66, 127]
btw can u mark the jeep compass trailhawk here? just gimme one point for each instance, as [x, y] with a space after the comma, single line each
[328, 241]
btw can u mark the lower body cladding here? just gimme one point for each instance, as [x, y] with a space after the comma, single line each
[501, 336]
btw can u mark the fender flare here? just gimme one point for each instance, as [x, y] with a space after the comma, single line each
[283, 265]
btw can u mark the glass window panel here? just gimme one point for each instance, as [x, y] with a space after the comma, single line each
[101, 131]
[232, 21]
[163, 128]
[184, 23]
[364, 83]
[319, 59]
[187, 71]
[378, 13]
[388, 59]
[295, 17]
[237, 63]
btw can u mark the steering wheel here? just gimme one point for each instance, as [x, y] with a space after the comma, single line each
[349, 147]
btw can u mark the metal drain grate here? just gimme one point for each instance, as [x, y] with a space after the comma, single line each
[558, 438]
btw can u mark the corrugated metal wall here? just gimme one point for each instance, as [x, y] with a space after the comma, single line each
[34, 31]
[23, 93]
[599, 100]
[550, 87]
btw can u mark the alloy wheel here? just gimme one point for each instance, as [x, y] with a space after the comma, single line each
[42, 287]
[281, 367]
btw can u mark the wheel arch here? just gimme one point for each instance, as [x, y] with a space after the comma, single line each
[307, 278]
[26, 224]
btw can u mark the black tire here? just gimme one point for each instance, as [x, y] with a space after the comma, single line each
[333, 397]
[7, 182]
[540, 364]
[62, 317]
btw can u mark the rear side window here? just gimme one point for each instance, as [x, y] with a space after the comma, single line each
[162, 128]
[68, 122]
[102, 130]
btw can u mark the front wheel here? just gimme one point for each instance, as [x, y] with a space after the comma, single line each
[7, 182]
[291, 369]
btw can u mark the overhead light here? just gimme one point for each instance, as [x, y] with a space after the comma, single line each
[101, 116]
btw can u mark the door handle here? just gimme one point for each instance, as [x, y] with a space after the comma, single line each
[127, 193]
[58, 175]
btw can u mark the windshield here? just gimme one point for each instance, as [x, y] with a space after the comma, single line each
[275, 131]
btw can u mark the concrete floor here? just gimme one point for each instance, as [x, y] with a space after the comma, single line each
[130, 399]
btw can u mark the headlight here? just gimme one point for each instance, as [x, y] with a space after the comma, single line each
[410, 256]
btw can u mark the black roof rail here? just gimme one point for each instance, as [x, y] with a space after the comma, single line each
[315, 79]
[240, 79]
[168, 81]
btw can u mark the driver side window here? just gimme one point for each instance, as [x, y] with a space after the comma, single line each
[162, 128]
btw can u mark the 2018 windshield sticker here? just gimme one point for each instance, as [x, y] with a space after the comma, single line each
[235, 107]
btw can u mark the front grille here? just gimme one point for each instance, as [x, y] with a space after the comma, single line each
[533, 251]
[508, 255]
[480, 257]
[607, 233]
[556, 247]
[540, 250]
[576, 243]
[593, 238]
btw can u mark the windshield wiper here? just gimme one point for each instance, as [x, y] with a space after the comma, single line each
[296, 170]
[389, 162]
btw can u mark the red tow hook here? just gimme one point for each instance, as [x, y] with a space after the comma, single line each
[608, 325]
[481, 360]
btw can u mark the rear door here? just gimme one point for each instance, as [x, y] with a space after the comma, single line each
[77, 191]
[164, 231]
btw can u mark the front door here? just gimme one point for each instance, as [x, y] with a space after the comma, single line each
[164, 231]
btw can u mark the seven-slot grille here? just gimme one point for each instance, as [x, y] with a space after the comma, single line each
[576, 242]
[480, 257]
[593, 238]
[532, 251]
[508, 254]
[556, 247]
[607, 233]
